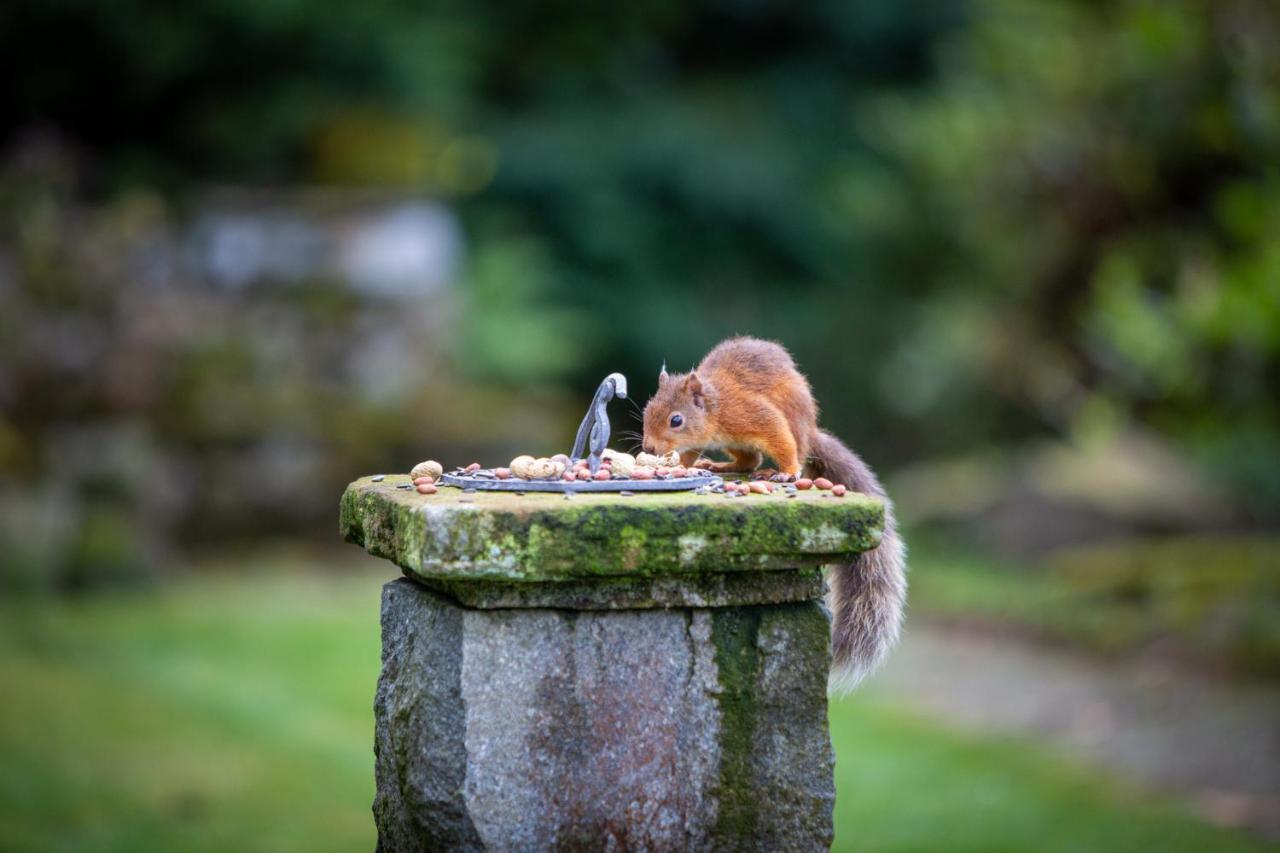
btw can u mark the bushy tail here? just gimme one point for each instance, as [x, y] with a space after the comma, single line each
[866, 597]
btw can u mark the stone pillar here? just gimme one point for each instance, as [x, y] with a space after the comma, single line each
[604, 672]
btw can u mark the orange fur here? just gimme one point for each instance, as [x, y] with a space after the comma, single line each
[748, 399]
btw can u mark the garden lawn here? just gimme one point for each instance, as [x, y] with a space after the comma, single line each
[234, 711]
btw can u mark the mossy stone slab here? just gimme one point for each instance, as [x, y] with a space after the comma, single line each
[535, 537]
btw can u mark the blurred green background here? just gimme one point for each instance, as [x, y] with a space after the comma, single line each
[1028, 254]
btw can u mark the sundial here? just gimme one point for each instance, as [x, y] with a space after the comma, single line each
[592, 438]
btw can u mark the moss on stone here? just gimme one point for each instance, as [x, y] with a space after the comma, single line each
[542, 536]
[734, 632]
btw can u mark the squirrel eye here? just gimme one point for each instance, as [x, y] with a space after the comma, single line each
[677, 420]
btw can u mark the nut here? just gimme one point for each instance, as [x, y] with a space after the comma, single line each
[520, 466]
[502, 473]
[759, 487]
[822, 483]
[472, 468]
[430, 468]
[838, 490]
[804, 483]
[620, 463]
[427, 488]
[651, 460]
[544, 469]
[642, 473]
[603, 474]
[420, 481]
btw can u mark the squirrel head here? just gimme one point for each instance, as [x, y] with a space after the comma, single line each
[675, 418]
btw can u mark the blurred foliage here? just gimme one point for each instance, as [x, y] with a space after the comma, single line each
[1106, 177]
[1213, 602]
[974, 224]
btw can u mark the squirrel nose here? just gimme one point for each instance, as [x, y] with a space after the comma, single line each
[648, 447]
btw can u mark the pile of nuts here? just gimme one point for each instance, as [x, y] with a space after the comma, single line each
[762, 484]
[616, 465]
[424, 476]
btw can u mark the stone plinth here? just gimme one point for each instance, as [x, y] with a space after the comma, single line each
[604, 672]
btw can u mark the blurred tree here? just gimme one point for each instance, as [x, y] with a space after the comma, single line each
[972, 223]
[1103, 178]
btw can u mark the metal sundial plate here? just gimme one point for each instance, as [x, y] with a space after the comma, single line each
[492, 484]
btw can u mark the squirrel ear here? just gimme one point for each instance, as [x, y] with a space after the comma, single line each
[693, 385]
[662, 374]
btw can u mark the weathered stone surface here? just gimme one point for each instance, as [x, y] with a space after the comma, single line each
[534, 729]
[536, 537]
[638, 593]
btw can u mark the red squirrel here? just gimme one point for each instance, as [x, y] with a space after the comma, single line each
[748, 399]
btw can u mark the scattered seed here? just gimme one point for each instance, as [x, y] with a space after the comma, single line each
[378, 478]
[466, 499]
[627, 494]
[468, 491]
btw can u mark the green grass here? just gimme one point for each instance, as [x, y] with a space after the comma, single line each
[235, 712]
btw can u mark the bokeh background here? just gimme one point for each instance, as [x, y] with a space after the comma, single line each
[1028, 254]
